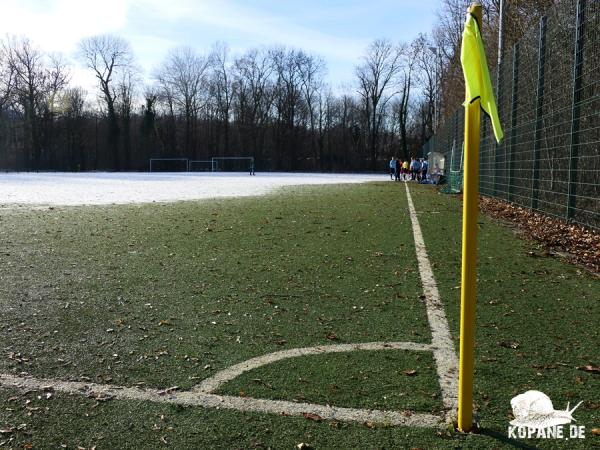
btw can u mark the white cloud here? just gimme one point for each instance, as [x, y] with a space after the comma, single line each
[259, 26]
[154, 26]
[60, 24]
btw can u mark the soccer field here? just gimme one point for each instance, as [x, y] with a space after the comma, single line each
[267, 322]
[105, 188]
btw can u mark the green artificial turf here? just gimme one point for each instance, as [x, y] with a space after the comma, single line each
[538, 319]
[385, 379]
[165, 295]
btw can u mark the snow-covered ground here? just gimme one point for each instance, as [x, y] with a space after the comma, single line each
[109, 188]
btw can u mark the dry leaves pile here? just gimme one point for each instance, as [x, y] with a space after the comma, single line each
[576, 243]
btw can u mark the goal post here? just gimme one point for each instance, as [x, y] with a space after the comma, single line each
[169, 164]
[201, 165]
[233, 164]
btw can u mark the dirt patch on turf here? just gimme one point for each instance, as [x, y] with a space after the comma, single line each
[573, 242]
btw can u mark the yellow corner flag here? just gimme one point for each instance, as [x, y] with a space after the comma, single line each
[477, 76]
[478, 94]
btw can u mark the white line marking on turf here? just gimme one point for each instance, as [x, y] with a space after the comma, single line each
[202, 394]
[441, 340]
[217, 380]
[199, 398]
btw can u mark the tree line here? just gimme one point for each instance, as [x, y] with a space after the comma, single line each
[270, 103]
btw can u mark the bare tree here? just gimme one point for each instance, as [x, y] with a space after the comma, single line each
[428, 68]
[73, 112]
[148, 126]
[36, 83]
[253, 92]
[447, 38]
[124, 105]
[405, 84]
[311, 70]
[107, 55]
[6, 77]
[376, 79]
[287, 101]
[222, 87]
[182, 80]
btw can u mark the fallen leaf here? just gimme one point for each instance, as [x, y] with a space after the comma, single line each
[544, 366]
[332, 336]
[509, 344]
[590, 368]
[410, 372]
[571, 241]
[311, 416]
[596, 431]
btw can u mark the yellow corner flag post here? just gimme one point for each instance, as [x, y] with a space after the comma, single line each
[479, 94]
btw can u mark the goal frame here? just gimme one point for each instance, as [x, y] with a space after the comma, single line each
[212, 164]
[216, 159]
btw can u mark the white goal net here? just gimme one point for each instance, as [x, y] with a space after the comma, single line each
[201, 165]
[233, 164]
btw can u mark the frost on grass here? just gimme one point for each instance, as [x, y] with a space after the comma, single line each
[122, 188]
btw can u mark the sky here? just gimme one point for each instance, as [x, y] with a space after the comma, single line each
[338, 31]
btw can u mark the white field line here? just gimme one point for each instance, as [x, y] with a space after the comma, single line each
[205, 400]
[441, 340]
[202, 395]
[213, 383]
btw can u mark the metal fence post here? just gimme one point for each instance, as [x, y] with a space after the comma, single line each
[498, 146]
[513, 122]
[535, 176]
[575, 111]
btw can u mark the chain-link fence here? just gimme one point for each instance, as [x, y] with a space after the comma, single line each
[548, 93]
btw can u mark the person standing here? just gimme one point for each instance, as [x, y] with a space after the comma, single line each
[398, 168]
[414, 168]
[392, 168]
[405, 169]
[424, 167]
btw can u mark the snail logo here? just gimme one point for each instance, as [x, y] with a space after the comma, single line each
[535, 417]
